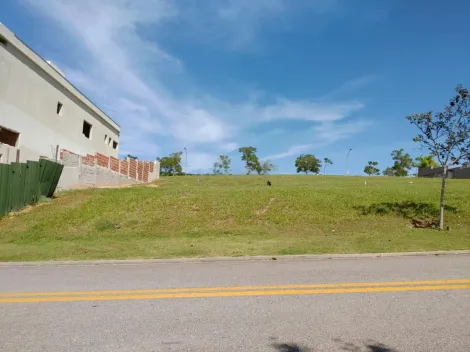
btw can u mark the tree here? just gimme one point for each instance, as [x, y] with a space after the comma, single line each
[446, 135]
[222, 165]
[371, 168]
[308, 163]
[171, 165]
[403, 163]
[389, 172]
[267, 167]
[132, 157]
[327, 162]
[425, 161]
[251, 160]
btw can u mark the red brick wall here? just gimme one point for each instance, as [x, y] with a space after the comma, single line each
[62, 151]
[146, 171]
[103, 160]
[140, 171]
[114, 164]
[132, 168]
[124, 167]
[89, 160]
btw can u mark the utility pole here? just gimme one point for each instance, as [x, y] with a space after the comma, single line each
[186, 161]
[347, 161]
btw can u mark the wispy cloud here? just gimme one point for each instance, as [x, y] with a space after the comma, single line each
[310, 111]
[200, 162]
[328, 132]
[130, 76]
[294, 150]
[238, 24]
[325, 134]
[115, 68]
[349, 87]
[229, 147]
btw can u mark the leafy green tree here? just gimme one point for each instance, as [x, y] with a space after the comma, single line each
[171, 165]
[403, 163]
[327, 162]
[308, 163]
[222, 165]
[446, 135]
[252, 163]
[371, 168]
[389, 172]
[267, 167]
[425, 161]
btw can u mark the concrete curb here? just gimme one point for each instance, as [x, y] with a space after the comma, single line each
[233, 259]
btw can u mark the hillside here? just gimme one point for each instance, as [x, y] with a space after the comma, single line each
[239, 215]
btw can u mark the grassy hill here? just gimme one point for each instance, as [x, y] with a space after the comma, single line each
[239, 215]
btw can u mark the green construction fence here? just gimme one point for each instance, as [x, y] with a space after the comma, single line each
[23, 184]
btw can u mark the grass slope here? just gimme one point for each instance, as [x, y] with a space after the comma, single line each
[239, 215]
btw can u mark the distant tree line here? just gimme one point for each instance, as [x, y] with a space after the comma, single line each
[304, 163]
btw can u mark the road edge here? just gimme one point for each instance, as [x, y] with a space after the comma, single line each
[301, 257]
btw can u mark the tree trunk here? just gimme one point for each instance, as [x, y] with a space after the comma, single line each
[443, 192]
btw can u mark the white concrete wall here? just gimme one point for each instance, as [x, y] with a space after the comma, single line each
[78, 174]
[155, 175]
[29, 92]
[91, 176]
[8, 154]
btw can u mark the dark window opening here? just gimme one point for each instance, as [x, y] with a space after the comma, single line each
[59, 108]
[3, 41]
[86, 129]
[105, 138]
[8, 136]
[115, 145]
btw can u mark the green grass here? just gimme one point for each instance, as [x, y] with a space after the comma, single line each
[239, 215]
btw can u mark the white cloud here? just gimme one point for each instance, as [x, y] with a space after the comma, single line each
[200, 162]
[350, 86]
[237, 24]
[115, 68]
[294, 150]
[130, 76]
[324, 134]
[229, 147]
[310, 111]
[328, 132]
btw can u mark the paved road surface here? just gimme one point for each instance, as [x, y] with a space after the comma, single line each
[399, 304]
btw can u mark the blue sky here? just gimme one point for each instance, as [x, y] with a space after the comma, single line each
[286, 76]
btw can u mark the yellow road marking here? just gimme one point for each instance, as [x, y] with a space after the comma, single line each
[237, 288]
[232, 294]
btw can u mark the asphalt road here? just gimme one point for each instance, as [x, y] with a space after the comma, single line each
[400, 304]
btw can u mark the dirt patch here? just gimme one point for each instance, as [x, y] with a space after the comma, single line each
[266, 208]
[127, 185]
[424, 223]
[27, 209]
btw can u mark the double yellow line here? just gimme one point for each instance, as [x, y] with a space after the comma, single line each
[235, 291]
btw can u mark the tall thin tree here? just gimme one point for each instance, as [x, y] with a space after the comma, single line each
[446, 135]
[327, 162]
